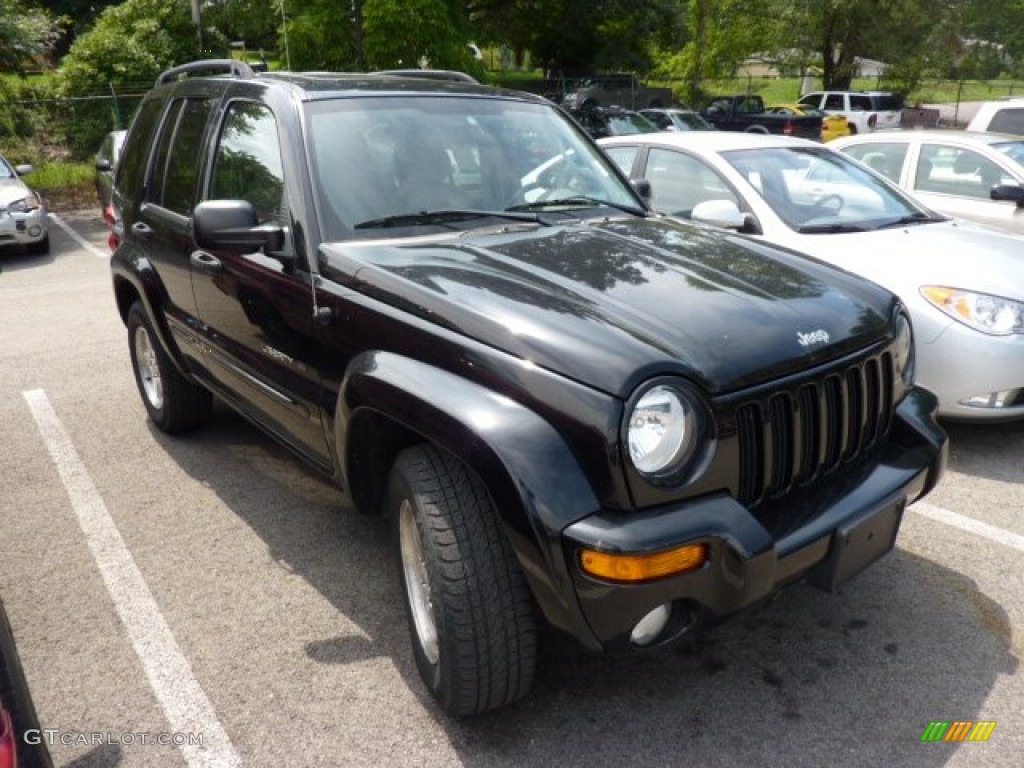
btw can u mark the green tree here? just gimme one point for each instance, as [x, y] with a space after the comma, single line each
[247, 20]
[322, 36]
[399, 33]
[25, 34]
[129, 45]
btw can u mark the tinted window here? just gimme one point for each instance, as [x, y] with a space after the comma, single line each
[179, 189]
[132, 168]
[887, 102]
[163, 150]
[859, 103]
[835, 101]
[1008, 121]
[248, 161]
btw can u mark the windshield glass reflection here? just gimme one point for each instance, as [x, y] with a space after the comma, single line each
[816, 190]
[394, 163]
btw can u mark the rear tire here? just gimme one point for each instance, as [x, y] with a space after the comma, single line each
[469, 608]
[173, 403]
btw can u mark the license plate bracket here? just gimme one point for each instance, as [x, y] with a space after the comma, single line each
[858, 544]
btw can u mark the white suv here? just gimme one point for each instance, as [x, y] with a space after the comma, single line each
[865, 110]
[1006, 116]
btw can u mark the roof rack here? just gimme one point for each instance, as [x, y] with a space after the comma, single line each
[213, 66]
[429, 74]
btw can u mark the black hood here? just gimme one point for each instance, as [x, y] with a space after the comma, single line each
[612, 303]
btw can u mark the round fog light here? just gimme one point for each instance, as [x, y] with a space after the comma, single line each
[35, 231]
[650, 626]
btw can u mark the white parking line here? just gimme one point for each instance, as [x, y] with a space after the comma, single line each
[78, 238]
[969, 524]
[184, 703]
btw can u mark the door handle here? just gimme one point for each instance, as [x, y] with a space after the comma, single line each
[205, 262]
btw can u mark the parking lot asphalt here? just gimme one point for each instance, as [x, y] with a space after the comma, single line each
[212, 588]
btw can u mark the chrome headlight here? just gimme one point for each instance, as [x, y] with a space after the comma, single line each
[983, 312]
[903, 351]
[662, 431]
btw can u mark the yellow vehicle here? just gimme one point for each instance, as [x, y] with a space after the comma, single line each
[832, 126]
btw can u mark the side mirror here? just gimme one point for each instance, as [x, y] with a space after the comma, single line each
[719, 213]
[642, 188]
[1010, 192]
[232, 225]
[103, 165]
[23, 170]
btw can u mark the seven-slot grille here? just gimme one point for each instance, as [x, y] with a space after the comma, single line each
[793, 437]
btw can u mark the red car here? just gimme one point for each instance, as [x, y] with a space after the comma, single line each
[17, 713]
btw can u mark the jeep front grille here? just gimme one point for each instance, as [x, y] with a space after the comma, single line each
[796, 436]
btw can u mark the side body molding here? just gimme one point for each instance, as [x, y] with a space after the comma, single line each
[534, 480]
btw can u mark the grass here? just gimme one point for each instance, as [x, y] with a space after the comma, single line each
[65, 186]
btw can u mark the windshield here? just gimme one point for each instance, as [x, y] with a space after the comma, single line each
[814, 189]
[397, 162]
[1012, 149]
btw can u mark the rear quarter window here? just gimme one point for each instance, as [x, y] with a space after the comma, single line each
[132, 167]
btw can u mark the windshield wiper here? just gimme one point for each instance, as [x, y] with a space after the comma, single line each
[914, 218]
[445, 216]
[577, 201]
[830, 229]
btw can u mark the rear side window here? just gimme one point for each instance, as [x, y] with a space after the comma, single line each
[182, 171]
[1008, 121]
[176, 167]
[887, 102]
[860, 103]
[835, 101]
[887, 159]
[132, 168]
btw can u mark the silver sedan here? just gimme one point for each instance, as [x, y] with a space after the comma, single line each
[977, 176]
[23, 218]
[963, 283]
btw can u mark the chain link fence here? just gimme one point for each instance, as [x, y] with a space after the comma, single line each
[66, 128]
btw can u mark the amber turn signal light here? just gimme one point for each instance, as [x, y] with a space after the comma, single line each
[655, 565]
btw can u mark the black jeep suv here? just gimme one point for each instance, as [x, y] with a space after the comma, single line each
[447, 298]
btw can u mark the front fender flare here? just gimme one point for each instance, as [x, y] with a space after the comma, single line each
[533, 478]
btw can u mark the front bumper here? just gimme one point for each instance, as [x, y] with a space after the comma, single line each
[22, 228]
[825, 533]
[964, 367]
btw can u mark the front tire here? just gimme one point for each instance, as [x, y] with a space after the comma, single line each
[470, 611]
[173, 403]
[40, 247]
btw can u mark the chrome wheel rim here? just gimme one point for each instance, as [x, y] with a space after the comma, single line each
[148, 369]
[417, 585]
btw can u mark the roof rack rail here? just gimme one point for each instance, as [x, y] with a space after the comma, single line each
[429, 74]
[214, 66]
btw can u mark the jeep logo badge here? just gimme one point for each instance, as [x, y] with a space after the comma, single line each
[819, 336]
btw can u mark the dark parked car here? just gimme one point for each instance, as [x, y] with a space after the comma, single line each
[446, 297]
[612, 121]
[106, 160]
